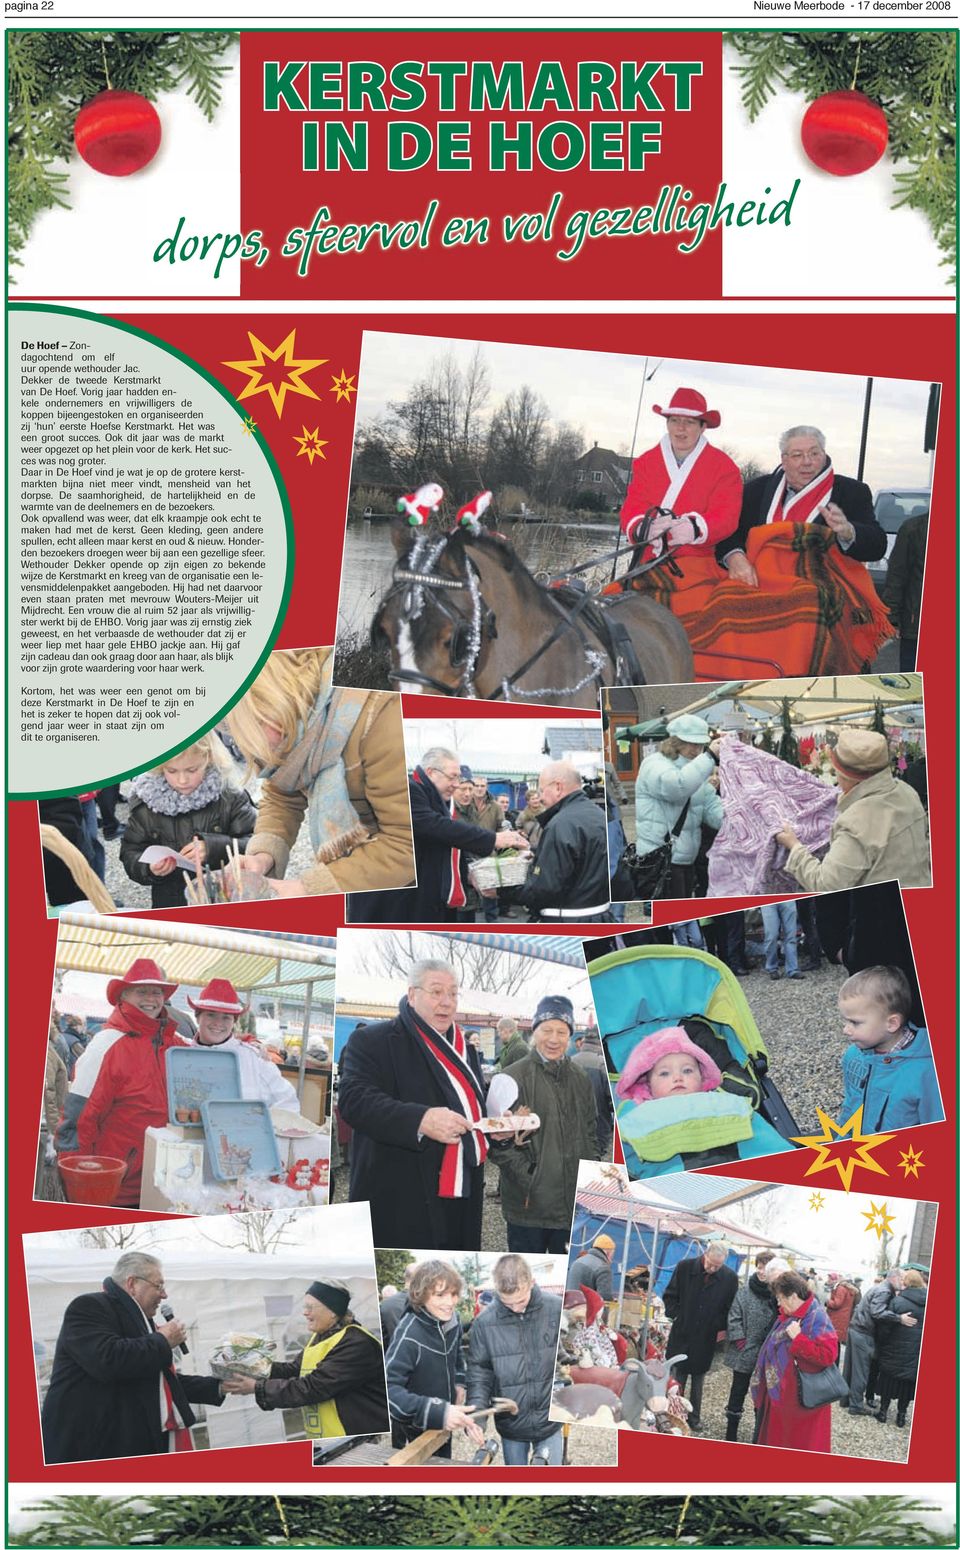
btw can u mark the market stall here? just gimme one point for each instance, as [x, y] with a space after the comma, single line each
[218, 1152]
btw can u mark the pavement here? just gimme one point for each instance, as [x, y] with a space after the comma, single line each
[851, 1435]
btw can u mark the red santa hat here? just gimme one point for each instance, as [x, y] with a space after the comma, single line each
[142, 971]
[469, 515]
[218, 996]
[692, 405]
[418, 506]
[584, 1295]
[644, 1056]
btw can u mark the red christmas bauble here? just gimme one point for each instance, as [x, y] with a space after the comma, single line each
[844, 132]
[117, 132]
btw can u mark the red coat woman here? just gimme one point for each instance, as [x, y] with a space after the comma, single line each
[802, 1338]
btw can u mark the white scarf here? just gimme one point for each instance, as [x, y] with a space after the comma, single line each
[802, 505]
[678, 472]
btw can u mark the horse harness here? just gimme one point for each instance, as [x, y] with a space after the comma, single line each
[480, 623]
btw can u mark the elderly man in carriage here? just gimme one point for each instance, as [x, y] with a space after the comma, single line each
[796, 597]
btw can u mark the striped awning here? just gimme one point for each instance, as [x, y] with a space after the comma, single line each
[551, 949]
[192, 955]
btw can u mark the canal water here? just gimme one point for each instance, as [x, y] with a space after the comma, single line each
[369, 557]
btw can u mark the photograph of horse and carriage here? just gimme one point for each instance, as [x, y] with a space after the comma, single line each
[535, 524]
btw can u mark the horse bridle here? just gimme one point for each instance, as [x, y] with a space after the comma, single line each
[467, 638]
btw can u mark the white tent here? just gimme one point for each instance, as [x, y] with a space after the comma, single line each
[216, 1291]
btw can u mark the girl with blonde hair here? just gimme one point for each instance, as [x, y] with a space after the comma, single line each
[334, 756]
[191, 804]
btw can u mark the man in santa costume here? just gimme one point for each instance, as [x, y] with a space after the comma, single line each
[217, 1007]
[805, 489]
[697, 485]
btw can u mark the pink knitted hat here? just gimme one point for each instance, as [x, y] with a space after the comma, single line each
[644, 1056]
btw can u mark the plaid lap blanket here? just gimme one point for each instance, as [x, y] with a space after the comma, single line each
[815, 610]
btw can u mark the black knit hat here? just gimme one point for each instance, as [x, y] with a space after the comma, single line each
[554, 1006]
[336, 1298]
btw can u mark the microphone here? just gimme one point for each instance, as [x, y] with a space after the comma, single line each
[168, 1316]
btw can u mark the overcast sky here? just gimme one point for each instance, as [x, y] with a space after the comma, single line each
[489, 744]
[598, 393]
[358, 954]
[836, 1237]
[336, 1229]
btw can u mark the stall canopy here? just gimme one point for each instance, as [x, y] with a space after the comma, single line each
[192, 955]
[811, 700]
[652, 1232]
[551, 949]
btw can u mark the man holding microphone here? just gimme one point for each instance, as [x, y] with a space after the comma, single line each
[114, 1391]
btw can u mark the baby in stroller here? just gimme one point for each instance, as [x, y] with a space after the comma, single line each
[679, 1082]
[686, 1060]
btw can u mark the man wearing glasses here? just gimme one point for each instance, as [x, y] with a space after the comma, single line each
[114, 1391]
[805, 489]
[412, 1094]
[439, 842]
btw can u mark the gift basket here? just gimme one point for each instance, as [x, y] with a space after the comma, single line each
[504, 869]
[242, 1356]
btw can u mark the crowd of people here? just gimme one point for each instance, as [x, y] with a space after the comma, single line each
[413, 1090]
[457, 822]
[777, 1330]
[879, 832]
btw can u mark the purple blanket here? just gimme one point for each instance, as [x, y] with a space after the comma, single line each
[760, 794]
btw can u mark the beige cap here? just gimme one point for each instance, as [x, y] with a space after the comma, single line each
[859, 755]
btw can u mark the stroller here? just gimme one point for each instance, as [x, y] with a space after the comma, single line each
[640, 990]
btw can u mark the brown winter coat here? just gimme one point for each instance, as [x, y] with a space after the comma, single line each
[879, 836]
[55, 1086]
[377, 787]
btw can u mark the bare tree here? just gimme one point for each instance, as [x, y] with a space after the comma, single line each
[121, 1236]
[259, 1232]
[392, 954]
[562, 446]
[761, 1213]
[516, 436]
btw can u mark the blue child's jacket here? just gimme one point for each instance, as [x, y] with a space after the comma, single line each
[896, 1091]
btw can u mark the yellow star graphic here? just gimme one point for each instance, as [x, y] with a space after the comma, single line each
[288, 379]
[910, 1162]
[249, 426]
[343, 386]
[310, 444]
[816, 1201]
[830, 1132]
[878, 1220]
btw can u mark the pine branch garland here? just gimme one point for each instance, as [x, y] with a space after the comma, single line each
[51, 74]
[481, 1520]
[913, 77]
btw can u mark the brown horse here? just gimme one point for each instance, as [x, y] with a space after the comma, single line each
[465, 617]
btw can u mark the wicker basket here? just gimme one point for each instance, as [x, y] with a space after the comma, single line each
[498, 871]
